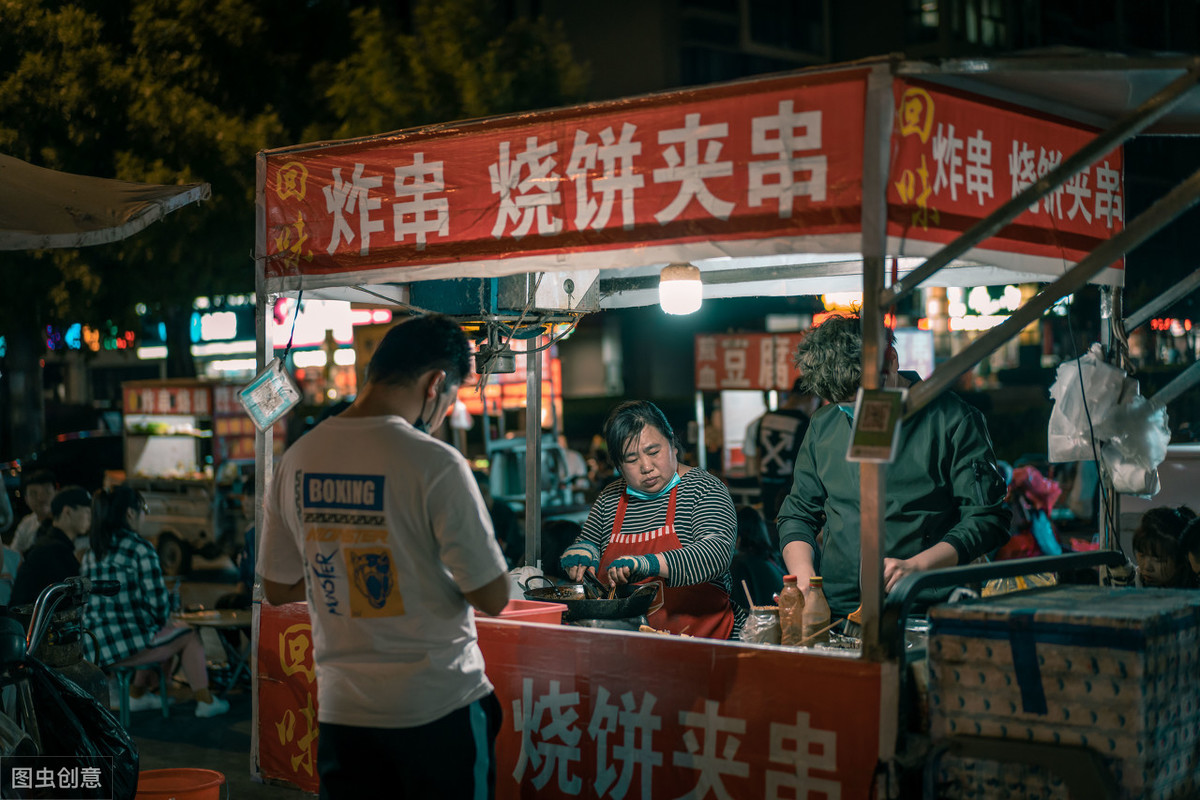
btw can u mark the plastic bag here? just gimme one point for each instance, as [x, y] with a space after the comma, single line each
[72, 723]
[1070, 435]
[1137, 437]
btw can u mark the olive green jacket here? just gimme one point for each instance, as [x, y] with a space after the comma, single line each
[942, 486]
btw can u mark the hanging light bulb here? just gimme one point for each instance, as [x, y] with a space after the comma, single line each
[679, 289]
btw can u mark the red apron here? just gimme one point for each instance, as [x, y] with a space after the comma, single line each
[701, 610]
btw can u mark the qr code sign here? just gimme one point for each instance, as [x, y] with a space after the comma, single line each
[874, 416]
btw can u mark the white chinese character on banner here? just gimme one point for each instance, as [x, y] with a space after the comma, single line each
[89, 778]
[766, 359]
[547, 757]
[162, 403]
[1077, 188]
[1022, 168]
[200, 401]
[183, 401]
[710, 759]
[617, 178]
[706, 377]
[607, 719]
[352, 197]
[785, 187]
[979, 166]
[421, 215]
[735, 365]
[706, 348]
[22, 777]
[783, 362]
[43, 778]
[147, 404]
[947, 154]
[689, 171]
[68, 777]
[793, 745]
[1108, 198]
[1047, 161]
[524, 200]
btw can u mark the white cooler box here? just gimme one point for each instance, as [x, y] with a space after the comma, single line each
[1116, 670]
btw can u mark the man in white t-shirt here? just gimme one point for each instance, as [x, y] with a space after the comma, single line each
[382, 529]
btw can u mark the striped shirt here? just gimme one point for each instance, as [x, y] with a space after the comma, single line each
[704, 522]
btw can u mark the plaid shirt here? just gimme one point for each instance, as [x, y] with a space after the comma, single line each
[126, 623]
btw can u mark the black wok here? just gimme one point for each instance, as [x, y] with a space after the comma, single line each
[631, 600]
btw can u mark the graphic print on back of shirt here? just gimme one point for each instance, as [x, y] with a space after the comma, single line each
[345, 534]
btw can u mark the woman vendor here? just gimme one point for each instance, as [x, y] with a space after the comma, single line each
[661, 522]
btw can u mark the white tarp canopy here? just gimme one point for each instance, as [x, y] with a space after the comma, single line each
[43, 208]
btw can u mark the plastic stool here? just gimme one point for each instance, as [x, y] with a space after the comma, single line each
[124, 676]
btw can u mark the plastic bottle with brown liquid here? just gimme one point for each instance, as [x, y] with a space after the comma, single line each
[791, 611]
[816, 613]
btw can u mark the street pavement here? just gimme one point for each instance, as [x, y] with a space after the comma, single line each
[217, 743]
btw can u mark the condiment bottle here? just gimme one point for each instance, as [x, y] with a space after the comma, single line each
[816, 613]
[791, 611]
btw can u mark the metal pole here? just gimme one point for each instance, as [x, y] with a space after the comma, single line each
[1176, 292]
[1126, 127]
[1145, 225]
[533, 455]
[873, 477]
[1178, 385]
[701, 449]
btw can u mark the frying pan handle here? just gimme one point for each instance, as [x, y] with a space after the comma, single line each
[526, 587]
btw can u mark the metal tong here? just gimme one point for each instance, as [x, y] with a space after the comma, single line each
[593, 586]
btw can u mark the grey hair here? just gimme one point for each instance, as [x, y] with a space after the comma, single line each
[829, 358]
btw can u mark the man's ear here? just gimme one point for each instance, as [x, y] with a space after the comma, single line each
[436, 384]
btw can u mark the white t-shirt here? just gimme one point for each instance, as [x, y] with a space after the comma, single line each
[25, 534]
[389, 528]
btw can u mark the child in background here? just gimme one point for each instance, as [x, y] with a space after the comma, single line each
[1189, 542]
[1159, 551]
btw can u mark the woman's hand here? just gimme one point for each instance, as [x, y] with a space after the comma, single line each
[579, 558]
[630, 569]
[894, 569]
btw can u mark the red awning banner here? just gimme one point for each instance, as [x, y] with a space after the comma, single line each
[957, 158]
[765, 159]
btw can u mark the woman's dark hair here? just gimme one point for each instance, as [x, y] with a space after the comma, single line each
[1189, 540]
[752, 533]
[1159, 530]
[626, 422]
[419, 344]
[110, 508]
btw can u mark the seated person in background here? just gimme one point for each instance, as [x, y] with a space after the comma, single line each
[38, 490]
[52, 557]
[1158, 549]
[1189, 542]
[134, 627]
[754, 562]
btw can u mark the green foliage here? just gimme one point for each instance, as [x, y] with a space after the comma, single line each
[182, 91]
[459, 61]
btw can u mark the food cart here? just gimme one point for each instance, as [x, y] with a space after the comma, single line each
[960, 173]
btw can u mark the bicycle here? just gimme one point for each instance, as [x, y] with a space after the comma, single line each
[47, 717]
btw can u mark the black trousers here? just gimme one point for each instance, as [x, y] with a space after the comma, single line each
[452, 758]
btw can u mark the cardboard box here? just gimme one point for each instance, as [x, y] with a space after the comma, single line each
[1116, 670]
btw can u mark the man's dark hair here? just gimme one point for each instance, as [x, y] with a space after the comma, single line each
[417, 345]
[627, 420]
[70, 497]
[829, 358]
[39, 476]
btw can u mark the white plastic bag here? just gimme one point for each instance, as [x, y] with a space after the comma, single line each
[1137, 436]
[1070, 436]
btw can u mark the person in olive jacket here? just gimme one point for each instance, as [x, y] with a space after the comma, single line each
[945, 495]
